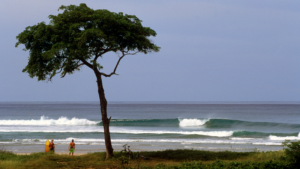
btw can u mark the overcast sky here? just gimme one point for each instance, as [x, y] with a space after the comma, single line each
[211, 50]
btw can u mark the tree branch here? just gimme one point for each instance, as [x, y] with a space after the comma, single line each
[60, 57]
[114, 72]
[86, 63]
[63, 75]
[79, 65]
[101, 53]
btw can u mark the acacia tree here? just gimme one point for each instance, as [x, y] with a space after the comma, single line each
[78, 37]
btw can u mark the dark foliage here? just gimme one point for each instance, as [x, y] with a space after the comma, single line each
[292, 151]
[195, 155]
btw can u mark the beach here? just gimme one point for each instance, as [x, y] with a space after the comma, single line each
[148, 126]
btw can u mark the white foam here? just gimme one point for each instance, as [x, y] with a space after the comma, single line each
[6, 142]
[52, 131]
[45, 121]
[204, 133]
[99, 129]
[268, 143]
[238, 138]
[94, 141]
[192, 122]
[271, 137]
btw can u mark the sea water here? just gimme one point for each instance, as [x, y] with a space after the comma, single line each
[259, 126]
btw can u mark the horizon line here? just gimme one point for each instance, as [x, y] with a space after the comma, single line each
[158, 102]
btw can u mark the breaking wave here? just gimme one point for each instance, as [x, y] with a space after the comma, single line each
[272, 137]
[199, 122]
[178, 122]
[192, 122]
[45, 121]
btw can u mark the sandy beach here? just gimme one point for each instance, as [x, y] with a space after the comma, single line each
[86, 149]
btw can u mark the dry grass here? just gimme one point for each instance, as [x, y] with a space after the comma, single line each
[9, 164]
[97, 160]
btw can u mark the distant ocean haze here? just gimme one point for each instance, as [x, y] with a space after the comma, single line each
[24, 127]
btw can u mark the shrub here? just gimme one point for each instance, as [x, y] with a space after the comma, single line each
[228, 165]
[191, 155]
[292, 151]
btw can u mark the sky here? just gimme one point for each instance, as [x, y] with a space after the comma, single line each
[211, 50]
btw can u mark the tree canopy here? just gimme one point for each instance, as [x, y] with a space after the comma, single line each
[79, 36]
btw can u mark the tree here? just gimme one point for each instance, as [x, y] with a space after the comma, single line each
[78, 37]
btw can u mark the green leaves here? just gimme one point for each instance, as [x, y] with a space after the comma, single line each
[79, 36]
[96, 65]
[292, 151]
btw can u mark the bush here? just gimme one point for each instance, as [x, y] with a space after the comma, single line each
[191, 155]
[292, 151]
[228, 165]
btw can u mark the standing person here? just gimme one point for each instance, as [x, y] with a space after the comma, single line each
[52, 146]
[72, 147]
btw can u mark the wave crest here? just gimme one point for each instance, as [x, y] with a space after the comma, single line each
[192, 122]
[45, 121]
[272, 137]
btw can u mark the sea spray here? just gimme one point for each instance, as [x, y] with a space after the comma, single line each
[192, 122]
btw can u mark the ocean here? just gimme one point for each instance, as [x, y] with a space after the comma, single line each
[256, 126]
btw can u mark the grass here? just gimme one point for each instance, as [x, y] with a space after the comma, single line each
[157, 159]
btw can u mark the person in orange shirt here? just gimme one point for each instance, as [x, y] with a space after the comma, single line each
[52, 146]
[72, 147]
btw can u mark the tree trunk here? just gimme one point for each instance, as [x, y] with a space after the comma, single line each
[105, 120]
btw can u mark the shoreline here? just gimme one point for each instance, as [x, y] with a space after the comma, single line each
[26, 149]
[64, 153]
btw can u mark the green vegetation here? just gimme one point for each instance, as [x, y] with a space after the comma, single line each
[174, 159]
[190, 155]
[168, 159]
[292, 152]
